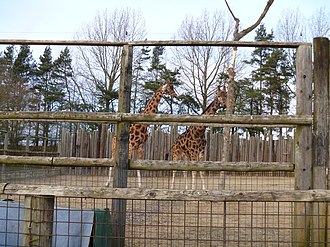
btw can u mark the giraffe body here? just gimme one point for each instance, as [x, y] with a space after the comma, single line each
[138, 133]
[191, 144]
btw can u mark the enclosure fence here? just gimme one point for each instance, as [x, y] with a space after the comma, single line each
[239, 208]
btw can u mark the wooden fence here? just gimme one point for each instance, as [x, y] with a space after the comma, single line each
[310, 159]
[84, 144]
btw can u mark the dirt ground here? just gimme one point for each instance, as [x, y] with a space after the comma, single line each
[193, 223]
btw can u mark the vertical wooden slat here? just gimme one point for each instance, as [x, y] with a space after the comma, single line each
[38, 221]
[303, 145]
[320, 135]
[120, 170]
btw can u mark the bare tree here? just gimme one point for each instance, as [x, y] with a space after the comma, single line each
[319, 23]
[291, 26]
[201, 65]
[99, 66]
[237, 35]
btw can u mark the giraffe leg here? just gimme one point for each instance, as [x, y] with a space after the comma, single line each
[202, 173]
[113, 151]
[193, 180]
[107, 184]
[173, 177]
[193, 157]
[176, 156]
[185, 175]
[139, 156]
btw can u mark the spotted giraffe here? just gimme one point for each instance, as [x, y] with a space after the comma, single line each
[138, 133]
[192, 142]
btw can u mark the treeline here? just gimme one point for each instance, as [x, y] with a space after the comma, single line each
[57, 84]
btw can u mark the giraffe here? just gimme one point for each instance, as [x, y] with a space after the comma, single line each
[192, 142]
[138, 134]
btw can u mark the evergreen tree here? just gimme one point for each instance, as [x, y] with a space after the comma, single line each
[139, 77]
[278, 76]
[271, 80]
[63, 77]
[158, 73]
[6, 74]
[16, 69]
[50, 90]
[259, 58]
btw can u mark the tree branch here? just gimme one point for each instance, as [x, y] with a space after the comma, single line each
[239, 35]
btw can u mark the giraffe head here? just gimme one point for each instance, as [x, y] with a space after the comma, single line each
[167, 88]
[221, 95]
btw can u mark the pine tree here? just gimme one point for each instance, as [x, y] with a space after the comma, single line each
[50, 91]
[158, 73]
[139, 77]
[16, 69]
[259, 58]
[63, 76]
[278, 76]
[271, 80]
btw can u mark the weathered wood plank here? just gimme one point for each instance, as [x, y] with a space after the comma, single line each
[38, 220]
[120, 171]
[242, 166]
[162, 165]
[303, 144]
[56, 161]
[152, 43]
[160, 194]
[217, 120]
[320, 134]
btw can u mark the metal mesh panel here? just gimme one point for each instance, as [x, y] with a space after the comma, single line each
[162, 223]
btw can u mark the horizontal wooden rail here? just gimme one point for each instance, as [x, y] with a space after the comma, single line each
[242, 166]
[56, 161]
[153, 43]
[161, 165]
[183, 119]
[161, 194]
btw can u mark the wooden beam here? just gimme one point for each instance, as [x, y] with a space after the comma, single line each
[152, 43]
[163, 194]
[120, 171]
[184, 119]
[158, 165]
[38, 220]
[303, 144]
[320, 135]
[161, 165]
[56, 161]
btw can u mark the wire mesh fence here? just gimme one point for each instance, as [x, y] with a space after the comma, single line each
[87, 222]
[156, 222]
[98, 176]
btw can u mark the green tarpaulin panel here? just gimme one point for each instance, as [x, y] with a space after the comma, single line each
[102, 228]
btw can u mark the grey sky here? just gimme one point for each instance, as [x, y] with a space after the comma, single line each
[40, 19]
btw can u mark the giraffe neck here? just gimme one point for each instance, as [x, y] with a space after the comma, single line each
[210, 110]
[153, 103]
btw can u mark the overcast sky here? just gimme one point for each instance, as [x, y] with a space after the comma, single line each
[59, 19]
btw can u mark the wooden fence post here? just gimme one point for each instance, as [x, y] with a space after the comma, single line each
[38, 221]
[320, 135]
[120, 171]
[303, 145]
